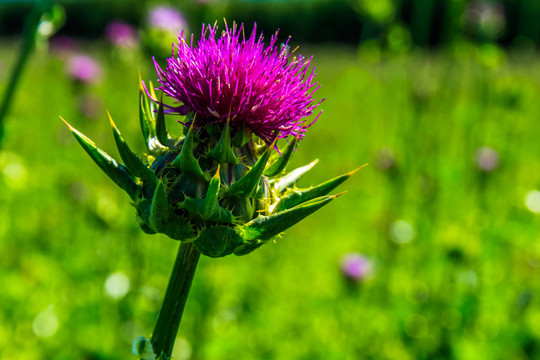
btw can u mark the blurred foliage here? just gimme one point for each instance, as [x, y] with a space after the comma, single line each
[455, 245]
[427, 23]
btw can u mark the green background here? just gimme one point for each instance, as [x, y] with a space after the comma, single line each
[464, 287]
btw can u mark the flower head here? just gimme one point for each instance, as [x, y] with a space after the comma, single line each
[240, 81]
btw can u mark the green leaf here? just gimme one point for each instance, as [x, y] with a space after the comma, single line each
[131, 160]
[117, 172]
[281, 184]
[223, 152]
[279, 165]
[266, 227]
[247, 184]
[161, 129]
[145, 115]
[299, 196]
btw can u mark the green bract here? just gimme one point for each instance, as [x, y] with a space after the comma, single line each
[219, 188]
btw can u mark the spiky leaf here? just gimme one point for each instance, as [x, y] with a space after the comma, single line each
[299, 196]
[266, 227]
[117, 172]
[132, 161]
[223, 152]
[186, 161]
[248, 183]
[291, 178]
[161, 129]
[163, 218]
[146, 117]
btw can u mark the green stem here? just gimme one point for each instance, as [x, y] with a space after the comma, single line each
[175, 299]
[30, 33]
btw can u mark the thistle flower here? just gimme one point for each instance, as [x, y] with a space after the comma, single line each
[220, 188]
[237, 80]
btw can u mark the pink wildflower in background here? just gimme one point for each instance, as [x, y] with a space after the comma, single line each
[121, 34]
[166, 18]
[84, 68]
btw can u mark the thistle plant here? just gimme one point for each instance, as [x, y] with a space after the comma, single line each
[223, 187]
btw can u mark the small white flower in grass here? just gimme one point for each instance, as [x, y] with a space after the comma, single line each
[532, 201]
[401, 232]
[117, 285]
[45, 324]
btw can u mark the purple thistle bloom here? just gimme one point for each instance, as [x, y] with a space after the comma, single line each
[356, 267]
[166, 18]
[238, 80]
[121, 34]
[83, 68]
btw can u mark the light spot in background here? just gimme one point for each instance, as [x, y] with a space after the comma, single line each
[532, 201]
[45, 324]
[401, 232]
[182, 349]
[46, 28]
[13, 169]
[117, 285]
[107, 208]
[225, 318]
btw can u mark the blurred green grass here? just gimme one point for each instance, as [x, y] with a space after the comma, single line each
[464, 287]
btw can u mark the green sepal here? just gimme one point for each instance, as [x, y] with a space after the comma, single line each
[186, 161]
[266, 227]
[132, 161]
[299, 196]
[117, 172]
[218, 241]
[223, 152]
[247, 184]
[210, 201]
[161, 129]
[146, 117]
[281, 184]
[163, 218]
[279, 165]
[209, 208]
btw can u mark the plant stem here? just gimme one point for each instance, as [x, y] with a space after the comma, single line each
[175, 299]
[29, 39]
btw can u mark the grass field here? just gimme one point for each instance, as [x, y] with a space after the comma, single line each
[456, 249]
